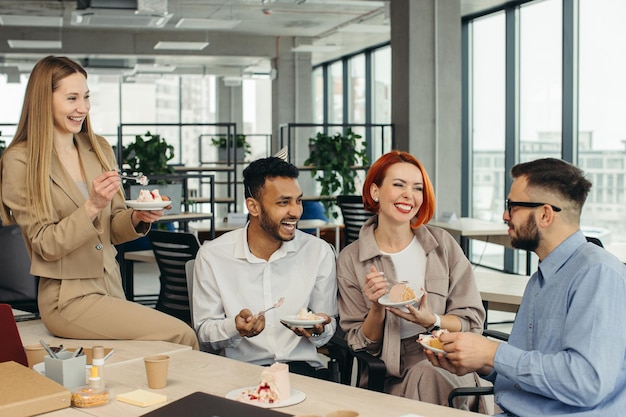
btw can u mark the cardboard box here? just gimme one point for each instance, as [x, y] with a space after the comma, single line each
[25, 393]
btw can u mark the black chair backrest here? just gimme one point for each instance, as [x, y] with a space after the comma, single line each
[17, 286]
[354, 216]
[594, 240]
[172, 250]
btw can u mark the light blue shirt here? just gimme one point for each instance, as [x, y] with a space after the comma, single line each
[566, 352]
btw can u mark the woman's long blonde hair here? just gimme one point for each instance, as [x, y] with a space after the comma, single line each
[36, 129]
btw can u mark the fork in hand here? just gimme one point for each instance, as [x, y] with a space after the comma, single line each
[276, 304]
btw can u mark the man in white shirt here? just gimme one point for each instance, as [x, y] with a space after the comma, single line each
[244, 272]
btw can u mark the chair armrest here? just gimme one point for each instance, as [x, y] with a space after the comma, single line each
[376, 370]
[337, 349]
[496, 334]
[467, 391]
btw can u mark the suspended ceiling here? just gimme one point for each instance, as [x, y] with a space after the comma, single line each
[241, 37]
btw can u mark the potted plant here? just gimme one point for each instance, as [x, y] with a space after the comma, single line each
[223, 143]
[333, 159]
[149, 155]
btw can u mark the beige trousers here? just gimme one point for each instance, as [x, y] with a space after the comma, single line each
[424, 382]
[71, 309]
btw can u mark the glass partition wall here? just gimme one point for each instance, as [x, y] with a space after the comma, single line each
[545, 79]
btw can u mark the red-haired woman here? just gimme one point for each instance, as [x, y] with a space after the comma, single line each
[396, 245]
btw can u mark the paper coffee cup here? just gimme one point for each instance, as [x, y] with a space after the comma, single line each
[156, 370]
[34, 354]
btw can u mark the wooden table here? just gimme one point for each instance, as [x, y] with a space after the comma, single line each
[500, 291]
[467, 228]
[192, 371]
[125, 350]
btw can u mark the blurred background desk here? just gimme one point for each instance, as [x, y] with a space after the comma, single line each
[202, 229]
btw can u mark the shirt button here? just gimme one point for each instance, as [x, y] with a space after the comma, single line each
[99, 246]
[516, 386]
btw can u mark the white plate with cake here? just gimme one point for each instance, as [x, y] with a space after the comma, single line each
[431, 342]
[273, 391]
[147, 205]
[293, 321]
[240, 394]
[400, 295]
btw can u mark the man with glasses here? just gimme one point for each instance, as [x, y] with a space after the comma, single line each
[566, 353]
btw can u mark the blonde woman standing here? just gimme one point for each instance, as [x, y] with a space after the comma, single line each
[60, 185]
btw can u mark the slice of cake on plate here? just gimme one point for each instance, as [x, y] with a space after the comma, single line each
[274, 386]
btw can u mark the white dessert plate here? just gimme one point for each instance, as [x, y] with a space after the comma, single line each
[425, 342]
[293, 321]
[147, 205]
[384, 300]
[296, 397]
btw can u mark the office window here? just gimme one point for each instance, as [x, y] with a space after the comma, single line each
[488, 72]
[356, 91]
[487, 135]
[602, 124]
[540, 79]
[381, 90]
[335, 99]
[105, 99]
[318, 94]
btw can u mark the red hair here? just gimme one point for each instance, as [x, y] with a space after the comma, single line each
[376, 175]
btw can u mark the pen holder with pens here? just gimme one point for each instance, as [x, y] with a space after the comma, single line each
[68, 370]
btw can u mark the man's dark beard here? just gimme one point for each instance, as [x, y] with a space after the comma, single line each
[527, 236]
[271, 227]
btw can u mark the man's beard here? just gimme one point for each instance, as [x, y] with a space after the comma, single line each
[527, 236]
[271, 227]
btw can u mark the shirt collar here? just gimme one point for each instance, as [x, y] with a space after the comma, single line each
[242, 249]
[557, 258]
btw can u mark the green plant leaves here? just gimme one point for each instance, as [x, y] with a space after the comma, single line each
[149, 155]
[333, 159]
[220, 142]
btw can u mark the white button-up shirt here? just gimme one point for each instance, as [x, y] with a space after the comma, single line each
[228, 278]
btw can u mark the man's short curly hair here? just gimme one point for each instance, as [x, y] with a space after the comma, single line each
[257, 172]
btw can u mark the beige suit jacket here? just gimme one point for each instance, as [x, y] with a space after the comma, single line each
[71, 245]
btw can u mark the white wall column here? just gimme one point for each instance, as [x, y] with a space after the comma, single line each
[426, 90]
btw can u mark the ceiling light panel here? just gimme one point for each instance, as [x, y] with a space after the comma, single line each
[206, 24]
[181, 46]
[34, 21]
[34, 44]
[316, 48]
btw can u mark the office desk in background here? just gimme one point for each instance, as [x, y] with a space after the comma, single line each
[202, 228]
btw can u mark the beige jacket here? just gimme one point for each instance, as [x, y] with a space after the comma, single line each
[71, 246]
[449, 281]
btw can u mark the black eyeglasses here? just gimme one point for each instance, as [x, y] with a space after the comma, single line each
[510, 204]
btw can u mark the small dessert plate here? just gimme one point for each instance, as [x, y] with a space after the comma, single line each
[384, 300]
[147, 205]
[305, 324]
[238, 394]
[424, 340]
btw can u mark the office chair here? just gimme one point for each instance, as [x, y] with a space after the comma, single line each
[17, 286]
[354, 216]
[11, 348]
[172, 250]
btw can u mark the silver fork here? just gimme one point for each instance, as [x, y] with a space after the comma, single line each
[276, 304]
[139, 178]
